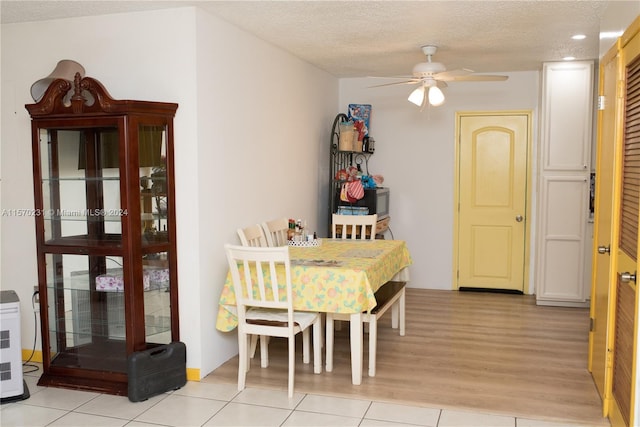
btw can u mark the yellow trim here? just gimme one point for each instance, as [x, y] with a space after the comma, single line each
[610, 56]
[608, 400]
[615, 415]
[193, 374]
[456, 193]
[632, 30]
[37, 355]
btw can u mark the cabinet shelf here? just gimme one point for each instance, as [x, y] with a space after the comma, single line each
[82, 179]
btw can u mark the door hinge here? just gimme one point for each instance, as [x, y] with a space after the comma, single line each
[601, 102]
[592, 323]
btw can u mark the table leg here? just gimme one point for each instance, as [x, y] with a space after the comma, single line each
[329, 342]
[356, 348]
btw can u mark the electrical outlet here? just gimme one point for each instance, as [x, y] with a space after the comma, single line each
[36, 292]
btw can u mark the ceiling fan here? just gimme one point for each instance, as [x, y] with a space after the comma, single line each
[433, 75]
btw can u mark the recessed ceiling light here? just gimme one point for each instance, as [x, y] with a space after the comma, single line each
[610, 34]
[579, 37]
[568, 58]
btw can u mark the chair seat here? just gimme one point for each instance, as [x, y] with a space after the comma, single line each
[267, 317]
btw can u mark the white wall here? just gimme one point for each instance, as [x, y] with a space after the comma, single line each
[250, 136]
[415, 153]
[264, 121]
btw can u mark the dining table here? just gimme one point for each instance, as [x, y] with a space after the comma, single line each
[334, 276]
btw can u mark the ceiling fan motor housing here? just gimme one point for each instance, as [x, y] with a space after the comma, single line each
[426, 69]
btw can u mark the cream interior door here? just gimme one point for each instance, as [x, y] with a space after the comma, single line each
[492, 171]
[604, 214]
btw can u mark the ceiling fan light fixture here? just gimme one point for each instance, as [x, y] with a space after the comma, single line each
[436, 97]
[417, 96]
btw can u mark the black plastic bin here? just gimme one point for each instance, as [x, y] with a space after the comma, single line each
[156, 370]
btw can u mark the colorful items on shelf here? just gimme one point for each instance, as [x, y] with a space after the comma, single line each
[114, 282]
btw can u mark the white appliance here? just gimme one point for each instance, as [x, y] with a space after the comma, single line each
[12, 386]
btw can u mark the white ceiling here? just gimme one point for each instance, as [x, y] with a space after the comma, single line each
[383, 38]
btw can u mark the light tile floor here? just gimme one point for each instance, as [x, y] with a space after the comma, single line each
[209, 404]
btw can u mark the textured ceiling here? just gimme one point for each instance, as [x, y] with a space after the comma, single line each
[383, 38]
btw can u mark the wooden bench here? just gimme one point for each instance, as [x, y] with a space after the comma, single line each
[390, 295]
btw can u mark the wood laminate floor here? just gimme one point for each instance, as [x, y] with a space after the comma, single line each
[489, 352]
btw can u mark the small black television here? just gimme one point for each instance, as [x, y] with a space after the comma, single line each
[376, 200]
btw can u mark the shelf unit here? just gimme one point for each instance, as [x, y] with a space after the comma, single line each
[343, 159]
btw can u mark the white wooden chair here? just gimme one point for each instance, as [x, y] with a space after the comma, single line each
[390, 295]
[252, 236]
[265, 309]
[354, 226]
[276, 231]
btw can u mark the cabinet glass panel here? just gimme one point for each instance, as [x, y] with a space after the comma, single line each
[85, 296]
[81, 186]
[153, 183]
[157, 301]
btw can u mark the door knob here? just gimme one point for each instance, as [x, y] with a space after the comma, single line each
[604, 249]
[519, 218]
[628, 277]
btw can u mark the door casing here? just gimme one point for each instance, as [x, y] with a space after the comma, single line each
[605, 220]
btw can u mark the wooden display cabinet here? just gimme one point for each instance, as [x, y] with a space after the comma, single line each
[105, 227]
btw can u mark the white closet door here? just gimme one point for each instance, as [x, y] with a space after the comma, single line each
[563, 231]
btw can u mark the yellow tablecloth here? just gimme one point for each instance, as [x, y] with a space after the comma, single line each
[339, 276]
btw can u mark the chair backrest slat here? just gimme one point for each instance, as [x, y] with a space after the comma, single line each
[252, 236]
[276, 231]
[349, 226]
[264, 270]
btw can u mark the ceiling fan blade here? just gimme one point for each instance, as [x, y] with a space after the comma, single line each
[407, 82]
[479, 78]
[452, 75]
[391, 77]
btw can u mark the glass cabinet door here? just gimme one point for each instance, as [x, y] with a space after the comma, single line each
[157, 298]
[154, 198]
[81, 202]
[86, 312]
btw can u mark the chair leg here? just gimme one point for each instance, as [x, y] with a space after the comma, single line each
[264, 351]
[373, 344]
[402, 314]
[305, 346]
[254, 345]
[322, 320]
[243, 360]
[329, 342]
[292, 361]
[317, 346]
